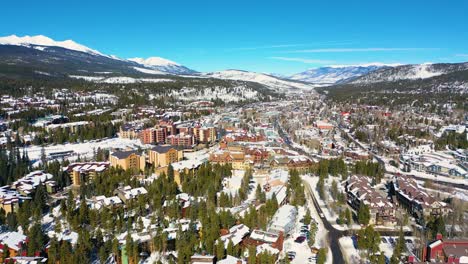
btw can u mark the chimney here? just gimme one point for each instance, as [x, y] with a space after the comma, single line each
[439, 236]
[239, 261]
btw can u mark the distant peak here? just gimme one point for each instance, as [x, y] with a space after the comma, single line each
[41, 40]
[154, 61]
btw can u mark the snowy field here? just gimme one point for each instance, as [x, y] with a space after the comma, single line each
[387, 245]
[84, 150]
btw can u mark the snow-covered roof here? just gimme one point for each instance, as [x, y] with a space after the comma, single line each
[12, 239]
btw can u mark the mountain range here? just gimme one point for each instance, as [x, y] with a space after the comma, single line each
[42, 57]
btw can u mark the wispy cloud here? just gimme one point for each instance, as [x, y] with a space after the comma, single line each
[337, 50]
[366, 64]
[303, 60]
[461, 55]
[281, 46]
[268, 47]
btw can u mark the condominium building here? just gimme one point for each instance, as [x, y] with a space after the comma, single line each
[163, 155]
[181, 139]
[359, 191]
[127, 160]
[82, 171]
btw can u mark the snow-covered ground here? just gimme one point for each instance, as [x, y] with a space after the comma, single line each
[121, 79]
[302, 250]
[267, 80]
[329, 214]
[231, 94]
[428, 176]
[85, 149]
[352, 255]
[232, 185]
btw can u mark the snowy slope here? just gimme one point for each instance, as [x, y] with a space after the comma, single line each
[153, 65]
[411, 72]
[332, 75]
[43, 41]
[163, 65]
[267, 80]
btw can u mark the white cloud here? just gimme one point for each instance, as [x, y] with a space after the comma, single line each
[462, 55]
[335, 50]
[303, 60]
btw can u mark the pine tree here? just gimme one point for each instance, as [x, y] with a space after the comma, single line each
[220, 249]
[363, 214]
[348, 216]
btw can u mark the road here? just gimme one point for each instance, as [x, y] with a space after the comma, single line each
[381, 161]
[333, 234]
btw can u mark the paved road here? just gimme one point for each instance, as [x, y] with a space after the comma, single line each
[381, 161]
[333, 234]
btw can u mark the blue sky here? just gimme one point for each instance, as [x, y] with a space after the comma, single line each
[265, 36]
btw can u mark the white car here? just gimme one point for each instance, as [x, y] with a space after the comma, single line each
[321, 215]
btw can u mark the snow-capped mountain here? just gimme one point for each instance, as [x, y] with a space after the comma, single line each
[32, 54]
[41, 42]
[163, 65]
[410, 72]
[264, 79]
[333, 74]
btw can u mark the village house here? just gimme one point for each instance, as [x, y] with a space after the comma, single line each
[446, 250]
[284, 220]
[28, 183]
[127, 193]
[235, 234]
[14, 242]
[258, 237]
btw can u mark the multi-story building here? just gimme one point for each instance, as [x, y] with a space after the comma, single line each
[127, 160]
[129, 131]
[163, 155]
[359, 191]
[437, 163]
[82, 171]
[181, 139]
[153, 135]
[236, 159]
[418, 202]
[204, 134]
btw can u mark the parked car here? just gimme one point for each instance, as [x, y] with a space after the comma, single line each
[291, 255]
[312, 259]
[300, 239]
